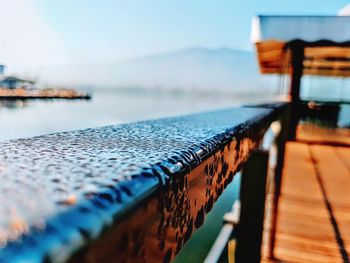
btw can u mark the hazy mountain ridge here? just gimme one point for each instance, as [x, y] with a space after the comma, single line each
[221, 69]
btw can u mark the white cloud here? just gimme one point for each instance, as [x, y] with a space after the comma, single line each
[27, 43]
[345, 11]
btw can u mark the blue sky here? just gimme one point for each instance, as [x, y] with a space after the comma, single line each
[59, 32]
[128, 28]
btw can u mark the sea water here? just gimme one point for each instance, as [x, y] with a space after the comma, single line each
[27, 118]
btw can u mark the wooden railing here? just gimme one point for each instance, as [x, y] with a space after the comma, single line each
[134, 192]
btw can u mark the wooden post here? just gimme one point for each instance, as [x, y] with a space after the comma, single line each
[297, 53]
[252, 195]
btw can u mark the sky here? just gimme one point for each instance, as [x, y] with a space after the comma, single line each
[38, 33]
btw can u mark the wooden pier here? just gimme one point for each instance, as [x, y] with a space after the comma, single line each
[314, 208]
[23, 94]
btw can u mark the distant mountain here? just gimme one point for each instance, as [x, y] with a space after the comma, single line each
[221, 69]
[344, 11]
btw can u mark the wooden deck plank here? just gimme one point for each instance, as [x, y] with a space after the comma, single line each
[304, 230]
[292, 254]
[315, 134]
[344, 154]
[336, 180]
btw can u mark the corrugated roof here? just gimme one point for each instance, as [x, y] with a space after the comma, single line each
[326, 40]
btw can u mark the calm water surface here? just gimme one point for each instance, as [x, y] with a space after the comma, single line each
[20, 119]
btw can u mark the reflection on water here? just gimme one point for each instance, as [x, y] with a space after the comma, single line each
[36, 117]
[13, 104]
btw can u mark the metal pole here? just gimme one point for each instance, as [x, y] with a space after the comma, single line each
[280, 144]
[231, 219]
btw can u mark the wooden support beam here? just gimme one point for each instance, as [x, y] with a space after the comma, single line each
[297, 58]
[252, 195]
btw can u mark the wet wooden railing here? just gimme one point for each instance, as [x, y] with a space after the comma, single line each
[128, 193]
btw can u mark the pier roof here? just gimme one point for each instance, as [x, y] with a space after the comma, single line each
[325, 39]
